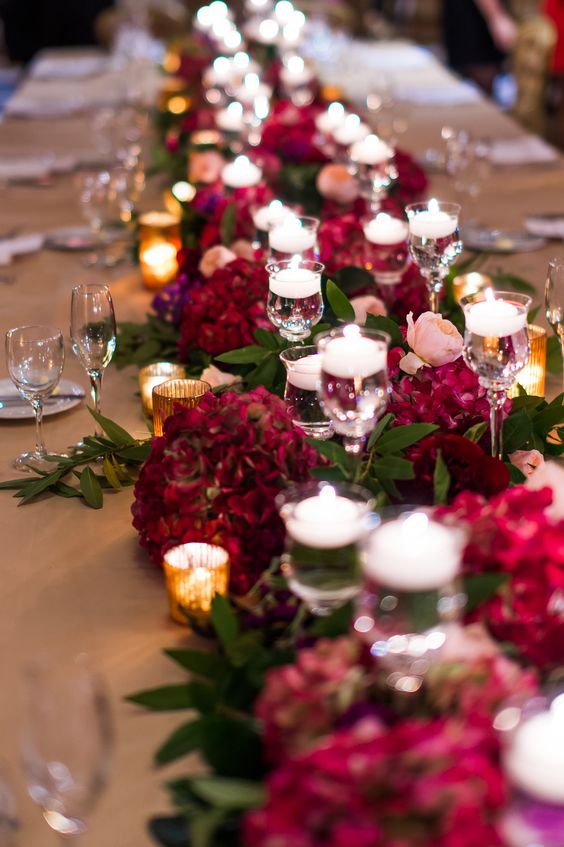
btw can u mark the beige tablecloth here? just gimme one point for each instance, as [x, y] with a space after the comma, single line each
[73, 579]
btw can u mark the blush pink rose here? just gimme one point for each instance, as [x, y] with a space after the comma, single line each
[434, 340]
[527, 461]
[369, 305]
[215, 377]
[205, 167]
[550, 475]
[215, 258]
[243, 249]
[334, 182]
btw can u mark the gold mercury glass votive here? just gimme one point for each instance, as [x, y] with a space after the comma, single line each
[159, 243]
[195, 573]
[152, 375]
[466, 284]
[533, 375]
[183, 392]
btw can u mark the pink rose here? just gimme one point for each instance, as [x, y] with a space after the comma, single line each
[433, 340]
[336, 183]
[243, 249]
[368, 305]
[215, 377]
[205, 167]
[550, 475]
[215, 258]
[527, 461]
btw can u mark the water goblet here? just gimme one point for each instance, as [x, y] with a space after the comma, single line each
[294, 235]
[295, 302]
[35, 356]
[303, 370]
[354, 386]
[93, 334]
[66, 742]
[554, 300]
[496, 348]
[434, 242]
[386, 252]
[325, 525]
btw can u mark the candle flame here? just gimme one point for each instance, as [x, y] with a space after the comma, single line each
[232, 39]
[242, 161]
[235, 108]
[268, 29]
[275, 206]
[183, 191]
[295, 64]
[221, 64]
[383, 217]
[433, 205]
[351, 331]
[241, 59]
[251, 82]
[219, 9]
[489, 295]
[416, 525]
[336, 110]
[327, 494]
[352, 120]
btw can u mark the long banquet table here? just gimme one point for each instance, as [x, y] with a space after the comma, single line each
[74, 579]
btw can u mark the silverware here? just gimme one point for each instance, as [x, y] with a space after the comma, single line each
[12, 400]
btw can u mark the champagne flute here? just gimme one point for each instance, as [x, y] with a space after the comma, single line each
[554, 300]
[66, 742]
[35, 356]
[93, 334]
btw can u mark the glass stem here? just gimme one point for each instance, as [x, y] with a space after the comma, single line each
[37, 405]
[434, 287]
[496, 399]
[354, 447]
[95, 392]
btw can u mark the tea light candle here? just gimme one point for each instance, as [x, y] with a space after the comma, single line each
[266, 217]
[159, 262]
[231, 118]
[432, 222]
[152, 375]
[295, 72]
[413, 554]
[294, 283]
[195, 573]
[494, 318]
[353, 355]
[326, 521]
[384, 229]
[371, 151]
[304, 373]
[334, 117]
[534, 761]
[352, 129]
[291, 236]
[241, 173]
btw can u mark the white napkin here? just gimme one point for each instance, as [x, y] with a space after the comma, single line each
[545, 226]
[525, 150]
[24, 168]
[20, 245]
[451, 93]
[68, 67]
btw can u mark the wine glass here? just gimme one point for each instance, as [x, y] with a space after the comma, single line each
[354, 385]
[93, 333]
[554, 299]
[496, 348]
[295, 302]
[35, 356]
[100, 203]
[66, 741]
[434, 242]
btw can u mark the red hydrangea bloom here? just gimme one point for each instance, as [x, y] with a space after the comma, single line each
[223, 314]
[290, 133]
[341, 242]
[212, 203]
[513, 535]
[213, 477]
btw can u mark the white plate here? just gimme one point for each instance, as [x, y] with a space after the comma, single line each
[78, 238]
[501, 241]
[52, 406]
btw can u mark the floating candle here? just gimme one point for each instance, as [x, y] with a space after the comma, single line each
[384, 229]
[371, 151]
[432, 222]
[326, 521]
[266, 217]
[331, 119]
[353, 355]
[304, 373]
[241, 173]
[352, 129]
[268, 31]
[294, 283]
[534, 761]
[295, 72]
[494, 318]
[231, 118]
[291, 236]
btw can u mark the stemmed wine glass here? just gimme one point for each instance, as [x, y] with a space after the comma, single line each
[35, 356]
[100, 204]
[554, 300]
[66, 742]
[496, 348]
[93, 333]
[434, 242]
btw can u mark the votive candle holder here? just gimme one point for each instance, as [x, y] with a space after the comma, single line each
[175, 392]
[152, 375]
[195, 573]
[159, 243]
[464, 285]
[532, 377]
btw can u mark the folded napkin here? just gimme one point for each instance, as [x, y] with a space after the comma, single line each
[11, 247]
[525, 150]
[545, 226]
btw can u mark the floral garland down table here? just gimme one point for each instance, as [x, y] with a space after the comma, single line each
[353, 665]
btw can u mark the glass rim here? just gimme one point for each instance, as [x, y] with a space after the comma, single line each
[309, 219]
[148, 370]
[274, 266]
[52, 332]
[297, 492]
[448, 206]
[159, 389]
[283, 355]
[366, 332]
[90, 287]
[556, 262]
[520, 300]
[195, 549]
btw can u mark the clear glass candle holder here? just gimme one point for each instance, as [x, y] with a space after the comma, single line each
[303, 370]
[434, 242]
[294, 236]
[152, 375]
[266, 218]
[496, 348]
[295, 302]
[533, 376]
[410, 595]
[175, 392]
[386, 252]
[354, 386]
[195, 573]
[325, 526]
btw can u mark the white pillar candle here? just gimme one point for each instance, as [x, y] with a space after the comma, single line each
[291, 237]
[413, 554]
[384, 229]
[494, 318]
[352, 129]
[231, 118]
[266, 217]
[534, 761]
[353, 355]
[294, 283]
[432, 222]
[326, 521]
[304, 373]
[295, 72]
[241, 173]
[371, 151]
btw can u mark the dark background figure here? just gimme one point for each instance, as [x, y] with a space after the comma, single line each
[31, 25]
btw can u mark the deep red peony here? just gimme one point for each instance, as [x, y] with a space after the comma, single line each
[213, 477]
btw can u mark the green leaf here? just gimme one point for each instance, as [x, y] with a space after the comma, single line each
[224, 620]
[516, 476]
[227, 225]
[379, 429]
[336, 453]
[203, 826]
[517, 430]
[550, 417]
[91, 489]
[136, 454]
[400, 437]
[533, 314]
[184, 740]
[16, 484]
[526, 401]
[265, 373]
[110, 473]
[383, 324]
[476, 432]
[270, 340]
[329, 473]
[482, 587]
[554, 356]
[61, 489]
[441, 480]
[170, 698]
[230, 793]
[339, 302]
[512, 282]
[208, 665]
[118, 435]
[244, 356]
[351, 279]
[38, 486]
[393, 467]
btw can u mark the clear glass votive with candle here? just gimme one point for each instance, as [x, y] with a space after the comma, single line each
[351, 130]
[386, 252]
[241, 173]
[295, 302]
[230, 122]
[255, 97]
[194, 574]
[372, 161]
[354, 386]
[410, 595]
[175, 392]
[297, 80]
[303, 371]
[294, 236]
[434, 242]
[496, 348]
[328, 121]
[159, 243]
[152, 375]
[266, 218]
[325, 525]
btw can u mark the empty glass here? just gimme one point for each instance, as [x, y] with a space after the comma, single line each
[35, 356]
[554, 300]
[303, 370]
[101, 200]
[66, 741]
[434, 242]
[93, 334]
[295, 302]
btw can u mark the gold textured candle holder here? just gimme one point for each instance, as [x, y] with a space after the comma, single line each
[152, 375]
[159, 243]
[466, 284]
[195, 573]
[167, 395]
[532, 377]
